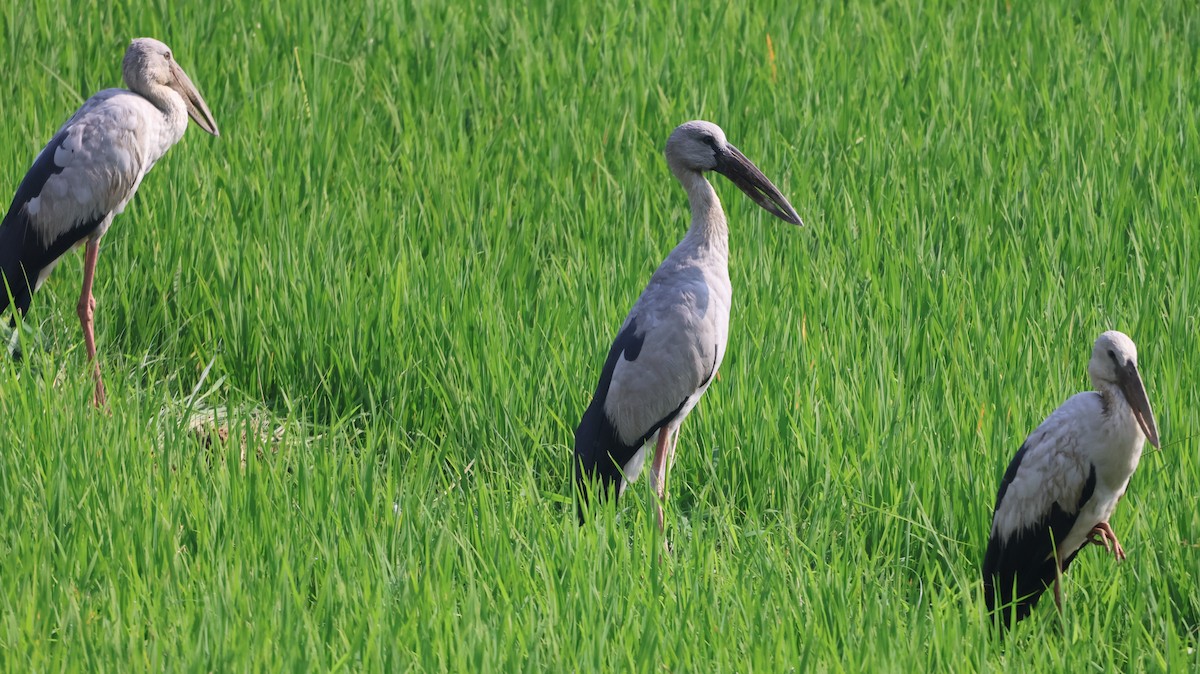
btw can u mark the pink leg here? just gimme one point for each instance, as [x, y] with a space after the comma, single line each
[671, 450]
[658, 472]
[86, 309]
[1103, 535]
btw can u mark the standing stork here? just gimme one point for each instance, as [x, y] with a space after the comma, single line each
[1064, 483]
[88, 172]
[671, 344]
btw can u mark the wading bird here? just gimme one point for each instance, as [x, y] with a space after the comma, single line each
[1064, 483]
[671, 344]
[88, 172]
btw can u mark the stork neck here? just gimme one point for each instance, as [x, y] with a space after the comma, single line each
[166, 99]
[708, 219]
[1116, 407]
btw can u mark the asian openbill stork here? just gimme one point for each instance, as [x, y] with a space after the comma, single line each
[1064, 483]
[88, 172]
[670, 346]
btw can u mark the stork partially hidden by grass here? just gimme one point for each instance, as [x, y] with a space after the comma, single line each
[89, 171]
[671, 344]
[1064, 483]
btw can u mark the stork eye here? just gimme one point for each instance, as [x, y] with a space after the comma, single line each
[1112, 354]
[168, 56]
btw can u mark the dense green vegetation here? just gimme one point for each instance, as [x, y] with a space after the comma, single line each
[346, 343]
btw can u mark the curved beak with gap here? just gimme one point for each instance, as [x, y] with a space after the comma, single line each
[196, 107]
[1135, 394]
[732, 164]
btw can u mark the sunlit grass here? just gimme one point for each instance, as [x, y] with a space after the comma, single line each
[347, 342]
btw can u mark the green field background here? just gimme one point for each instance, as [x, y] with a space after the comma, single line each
[347, 342]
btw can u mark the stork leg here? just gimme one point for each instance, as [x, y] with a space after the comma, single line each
[658, 471]
[671, 450]
[86, 309]
[1058, 582]
[1103, 535]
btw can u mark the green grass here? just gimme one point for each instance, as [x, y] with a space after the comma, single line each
[394, 277]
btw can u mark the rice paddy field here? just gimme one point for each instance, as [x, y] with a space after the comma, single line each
[347, 343]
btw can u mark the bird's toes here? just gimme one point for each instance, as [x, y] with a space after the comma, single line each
[99, 399]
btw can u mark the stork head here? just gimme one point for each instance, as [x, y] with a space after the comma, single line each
[1114, 363]
[698, 146]
[149, 65]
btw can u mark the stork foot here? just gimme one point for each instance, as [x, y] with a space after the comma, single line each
[98, 398]
[1103, 535]
[86, 309]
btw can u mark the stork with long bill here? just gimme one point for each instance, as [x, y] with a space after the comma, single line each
[670, 346]
[1064, 483]
[88, 172]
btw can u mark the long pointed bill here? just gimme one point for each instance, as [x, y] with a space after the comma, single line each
[1135, 395]
[196, 107]
[742, 172]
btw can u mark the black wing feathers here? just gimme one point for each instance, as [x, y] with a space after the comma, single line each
[596, 439]
[599, 452]
[1021, 567]
[22, 253]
